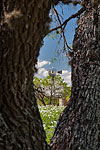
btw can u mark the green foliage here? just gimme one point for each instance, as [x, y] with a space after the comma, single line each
[54, 35]
[53, 59]
[59, 89]
[37, 81]
[50, 115]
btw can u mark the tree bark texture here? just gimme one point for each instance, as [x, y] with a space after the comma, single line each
[23, 25]
[79, 125]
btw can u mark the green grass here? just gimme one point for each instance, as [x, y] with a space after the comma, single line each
[50, 115]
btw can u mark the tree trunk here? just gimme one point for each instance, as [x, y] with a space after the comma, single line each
[22, 28]
[23, 25]
[79, 125]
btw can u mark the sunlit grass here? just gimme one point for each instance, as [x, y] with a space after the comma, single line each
[50, 115]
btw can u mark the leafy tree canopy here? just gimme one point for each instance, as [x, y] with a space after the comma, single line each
[47, 88]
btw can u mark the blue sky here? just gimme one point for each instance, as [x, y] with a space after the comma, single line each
[50, 46]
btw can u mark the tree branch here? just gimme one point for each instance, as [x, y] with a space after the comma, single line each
[62, 30]
[66, 21]
[75, 2]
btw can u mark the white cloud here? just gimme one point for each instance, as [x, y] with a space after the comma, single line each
[42, 72]
[66, 75]
[42, 63]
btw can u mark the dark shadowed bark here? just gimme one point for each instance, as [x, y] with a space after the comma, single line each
[22, 29]
[79, 125]
[23, 25]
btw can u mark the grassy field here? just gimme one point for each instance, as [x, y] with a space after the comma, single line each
[50, 115]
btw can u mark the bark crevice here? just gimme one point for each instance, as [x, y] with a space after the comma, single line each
[78, 126]
[22, 29]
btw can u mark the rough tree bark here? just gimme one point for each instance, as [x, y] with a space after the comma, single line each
[79, 125]
[23, 25]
